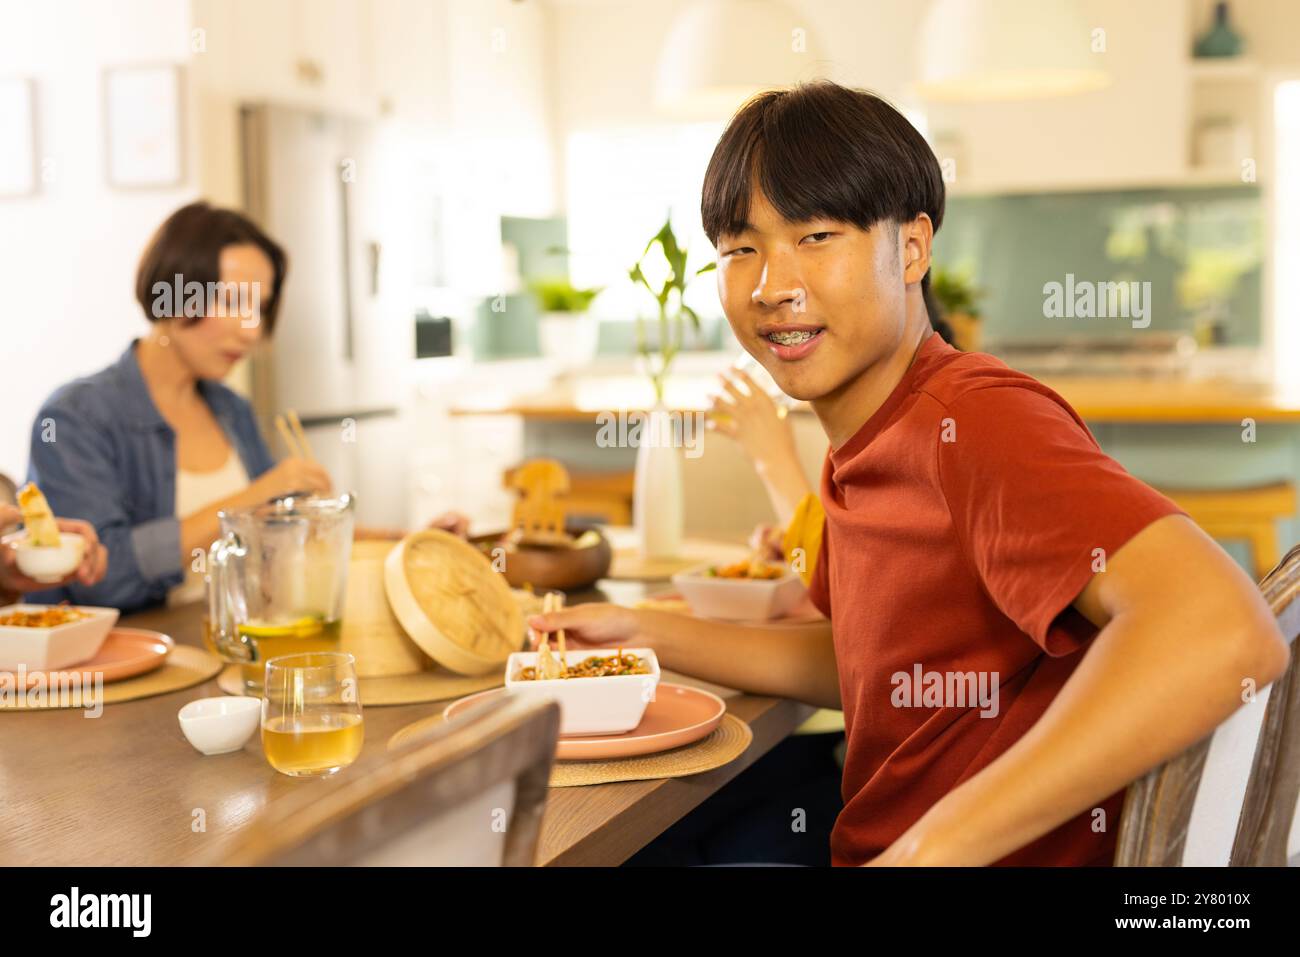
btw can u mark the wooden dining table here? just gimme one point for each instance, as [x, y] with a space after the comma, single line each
[126, 788]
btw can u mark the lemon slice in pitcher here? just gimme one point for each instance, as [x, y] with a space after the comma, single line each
[299, 628]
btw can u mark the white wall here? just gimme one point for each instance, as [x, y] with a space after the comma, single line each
[68, 255]
[605, 53]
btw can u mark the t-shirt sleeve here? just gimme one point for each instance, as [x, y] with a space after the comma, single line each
[1038, 506]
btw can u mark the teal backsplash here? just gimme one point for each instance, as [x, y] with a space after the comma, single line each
[1201, 249]
[510, 331]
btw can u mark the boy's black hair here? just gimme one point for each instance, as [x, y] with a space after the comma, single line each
[821, 150]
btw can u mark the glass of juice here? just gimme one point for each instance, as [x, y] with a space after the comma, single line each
[311, 713]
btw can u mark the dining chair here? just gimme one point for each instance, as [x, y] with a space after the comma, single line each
[469, 793]
[1248, 515]
[1277, 834]
[1247, 773]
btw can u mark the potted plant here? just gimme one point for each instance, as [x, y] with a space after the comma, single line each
[657, 506]
[959, 297]
[566, 333]
[668, 288]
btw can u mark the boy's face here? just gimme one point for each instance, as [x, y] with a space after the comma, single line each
[833, 295]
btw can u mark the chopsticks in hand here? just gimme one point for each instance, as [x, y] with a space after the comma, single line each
[295, 438]
[547, 666]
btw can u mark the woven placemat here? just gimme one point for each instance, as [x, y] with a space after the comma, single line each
[725, 743]
[436, 684]
[185, 667]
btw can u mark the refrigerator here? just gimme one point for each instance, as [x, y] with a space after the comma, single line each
[339, 353]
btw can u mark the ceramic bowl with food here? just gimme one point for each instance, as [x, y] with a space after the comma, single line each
[50, 637]
[713, 593]
[551, 567]
[605, 704]
[50, 563]
[220, 725]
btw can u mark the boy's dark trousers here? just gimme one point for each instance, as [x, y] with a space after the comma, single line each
[780, 810]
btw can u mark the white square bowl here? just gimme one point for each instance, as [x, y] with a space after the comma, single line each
[49, 649]
[611, 705]
[738, 599]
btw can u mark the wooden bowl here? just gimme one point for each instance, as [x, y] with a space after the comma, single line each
[549, 569]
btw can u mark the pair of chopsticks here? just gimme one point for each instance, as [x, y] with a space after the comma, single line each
[290, 428]
[551, 601]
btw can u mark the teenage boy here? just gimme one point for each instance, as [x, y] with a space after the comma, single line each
[1017, 628]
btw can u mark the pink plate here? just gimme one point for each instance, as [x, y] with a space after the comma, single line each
[126, 652]
[802, 612]
[678, 715]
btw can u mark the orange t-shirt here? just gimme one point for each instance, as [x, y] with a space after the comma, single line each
[962, 521]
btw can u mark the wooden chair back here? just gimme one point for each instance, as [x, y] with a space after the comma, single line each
[1276, 830]
[1222, 802]
[470, 793]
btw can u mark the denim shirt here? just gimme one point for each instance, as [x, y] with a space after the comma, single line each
[102, 452]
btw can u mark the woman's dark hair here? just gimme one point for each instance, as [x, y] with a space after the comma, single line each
[821, 150]
[189, 244]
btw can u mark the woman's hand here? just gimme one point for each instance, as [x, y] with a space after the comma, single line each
[453, 522]
[595, 625]
[93, 567]
[292, 475]
[750, 416]
[766, 540]
[753, 419]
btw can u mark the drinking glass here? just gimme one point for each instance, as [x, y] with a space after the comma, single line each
[311, 713]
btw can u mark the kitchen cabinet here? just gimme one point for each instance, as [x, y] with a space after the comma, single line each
[309, 53]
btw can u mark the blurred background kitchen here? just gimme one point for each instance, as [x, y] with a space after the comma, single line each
[453, 178]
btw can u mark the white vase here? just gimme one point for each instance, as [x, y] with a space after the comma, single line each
[568, 338]
[657, 506]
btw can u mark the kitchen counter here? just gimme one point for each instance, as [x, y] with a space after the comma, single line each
[1096, 399]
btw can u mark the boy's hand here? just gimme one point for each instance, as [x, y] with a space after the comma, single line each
[595, 625]
[94, 562]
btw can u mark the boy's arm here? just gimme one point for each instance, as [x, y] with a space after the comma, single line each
[785, 661]
[1183, 630]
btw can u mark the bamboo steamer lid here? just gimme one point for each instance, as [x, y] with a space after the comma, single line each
[371, 632]
[451, 602]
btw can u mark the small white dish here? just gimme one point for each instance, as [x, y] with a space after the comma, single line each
[608, 705]
[738, 599]
[49, 564]
[220, 725]
[49, 649]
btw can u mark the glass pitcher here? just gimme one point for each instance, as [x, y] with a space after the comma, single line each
[276, 581]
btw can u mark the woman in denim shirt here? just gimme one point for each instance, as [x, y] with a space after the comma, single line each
[114, 448]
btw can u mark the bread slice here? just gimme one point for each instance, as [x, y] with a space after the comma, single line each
[41, 527]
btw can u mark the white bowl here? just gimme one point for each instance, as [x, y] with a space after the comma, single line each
[738, 599]
[49, 649]
[220, 725]
[48, 564]
[609, 705]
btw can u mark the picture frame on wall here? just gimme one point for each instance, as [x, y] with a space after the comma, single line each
[18, 138]
[144, 143]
